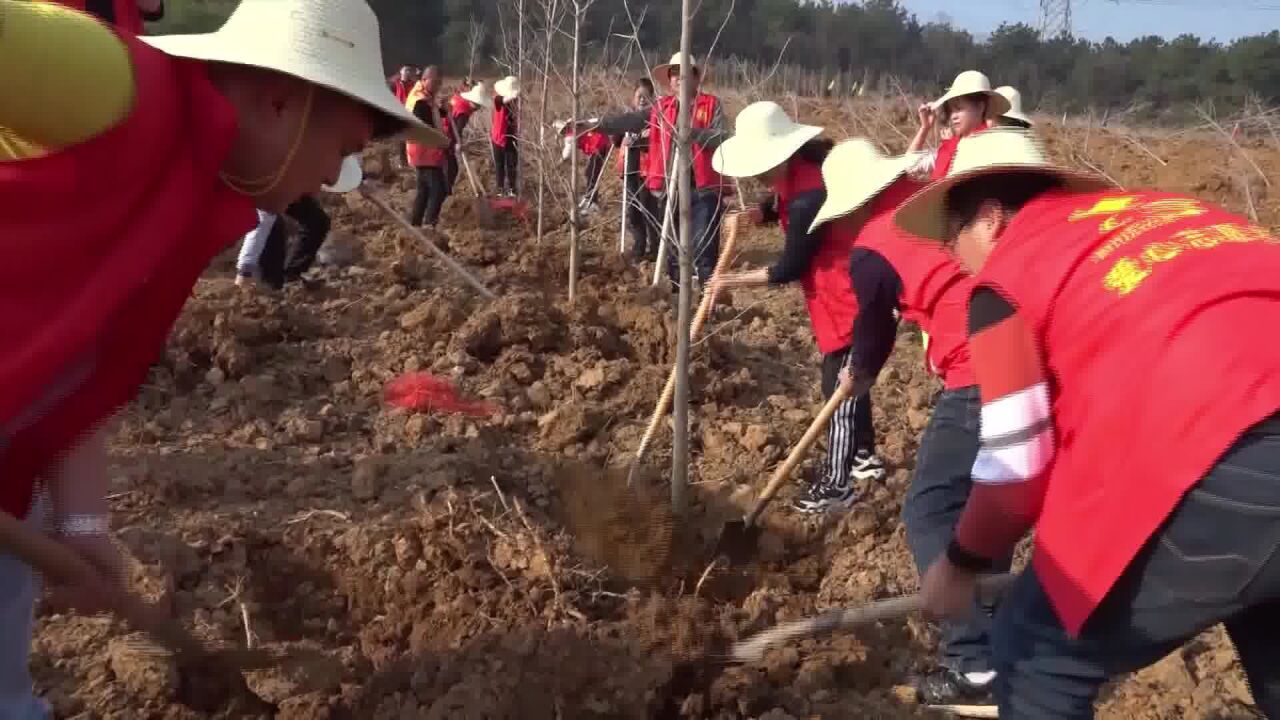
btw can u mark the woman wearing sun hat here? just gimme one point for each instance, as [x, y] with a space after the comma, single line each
[164, 147]
[504, 134]
[462, 105]
[894, 275]
[1129, 417]
[1014, 116]
[768, 145]
[969, 106]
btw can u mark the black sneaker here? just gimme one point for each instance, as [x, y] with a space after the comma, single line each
[825, 498]
[866, 466]
[963, 695]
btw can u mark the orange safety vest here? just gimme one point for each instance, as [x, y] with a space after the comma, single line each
[421, 155]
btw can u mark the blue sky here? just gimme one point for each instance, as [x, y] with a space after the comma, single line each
[1095, 19]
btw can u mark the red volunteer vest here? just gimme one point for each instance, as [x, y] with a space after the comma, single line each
[1154, 314]
[662, 122]
[401, 89]
[422, 155]
[87, 298]
[935, 289]
[503, 122]
[460, 107]
[593, 142]
[127, 16]
[947, 155]
[828, 292]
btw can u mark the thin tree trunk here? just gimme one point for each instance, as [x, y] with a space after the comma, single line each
[573, 156]
[542, 115]
[520, 78]
[680, 445]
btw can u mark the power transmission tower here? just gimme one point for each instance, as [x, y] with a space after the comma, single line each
[1055, 18]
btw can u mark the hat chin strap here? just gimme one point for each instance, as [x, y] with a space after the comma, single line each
[262, 186]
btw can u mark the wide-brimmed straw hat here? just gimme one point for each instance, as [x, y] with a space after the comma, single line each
[763, 138]
[1010, 93]
[972, 82]
[677, 60]
[855, 172]
[994, 152]
[480, 94]
[349, 178]
[508, 88]
[334, 44]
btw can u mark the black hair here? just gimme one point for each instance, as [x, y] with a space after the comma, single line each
[815, 151]
[1012, 190]
[645, 83]
[1003, 121]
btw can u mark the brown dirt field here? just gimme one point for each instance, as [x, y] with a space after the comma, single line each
[450, 567]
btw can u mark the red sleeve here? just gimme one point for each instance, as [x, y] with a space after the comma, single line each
[1017, 430]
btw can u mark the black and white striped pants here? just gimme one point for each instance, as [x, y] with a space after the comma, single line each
[851, 429]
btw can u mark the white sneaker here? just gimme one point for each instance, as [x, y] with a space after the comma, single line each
[866, 466]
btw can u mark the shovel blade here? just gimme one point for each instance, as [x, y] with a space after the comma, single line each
[738, 541]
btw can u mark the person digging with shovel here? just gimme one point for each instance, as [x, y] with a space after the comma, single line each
[462, 106]
[164, 149]
[768, 145]
[894, 275]
[1129, 417]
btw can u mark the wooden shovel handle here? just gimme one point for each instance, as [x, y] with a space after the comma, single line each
[695, 329]
[753, 648]
[452, 264]
[64, 566]
[797, 453]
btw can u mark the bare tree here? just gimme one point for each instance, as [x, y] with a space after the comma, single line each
[579, 10]
[680, 443]
[520, 79]
[475, 41]
[551, 10]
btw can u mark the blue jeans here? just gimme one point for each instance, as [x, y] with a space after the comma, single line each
[706, 214]
[939, 489]
[18, 588]
[1214, 560]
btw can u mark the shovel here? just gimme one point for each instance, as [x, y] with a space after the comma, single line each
[481, 206]
[753, 648]
[63, 565]
[738, 538]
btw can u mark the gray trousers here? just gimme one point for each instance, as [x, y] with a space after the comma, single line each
[18, 588]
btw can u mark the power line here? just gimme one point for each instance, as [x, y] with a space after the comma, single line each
[1055, 18]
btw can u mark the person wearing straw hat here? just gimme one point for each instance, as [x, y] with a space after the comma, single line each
[969, 106]
[708, 130]
[895, 275]
[462, 105]
[429, 162]
[164, 151]
[1129, 418]
[768, 145]
[1014, 116]
[504, 134]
